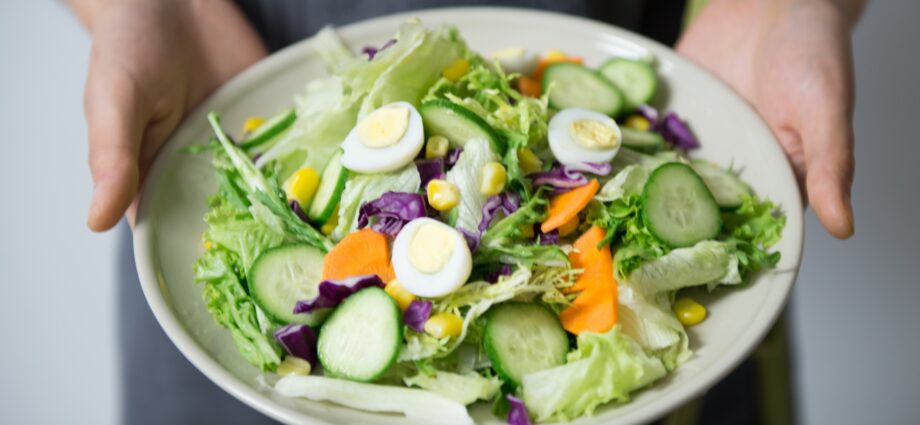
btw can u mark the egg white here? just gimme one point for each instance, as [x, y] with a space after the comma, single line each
[453, 275]
[567, 150]
[516, 60]
[358, 157]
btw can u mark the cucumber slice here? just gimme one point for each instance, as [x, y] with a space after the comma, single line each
[677, 207]
[362, 338]
[725, 186]
[521, 338]
[270, 128]
[642, 141]
[456, 123]
[284, 275]
[329, 192]
[575, 86]
[636, 79]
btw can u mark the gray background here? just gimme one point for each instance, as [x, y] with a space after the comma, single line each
[855, 306]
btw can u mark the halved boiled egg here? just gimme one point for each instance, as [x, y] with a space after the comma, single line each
[578, 135]
[430, 258]
[516, 60]
[385, 140]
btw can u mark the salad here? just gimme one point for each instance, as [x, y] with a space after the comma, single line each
[427, 228]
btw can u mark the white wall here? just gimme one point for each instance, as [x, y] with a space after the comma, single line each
[855, 308]
[57, 360]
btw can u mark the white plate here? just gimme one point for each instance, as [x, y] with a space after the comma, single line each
[168, 234]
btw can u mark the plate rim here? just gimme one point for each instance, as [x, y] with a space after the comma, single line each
[145, 239]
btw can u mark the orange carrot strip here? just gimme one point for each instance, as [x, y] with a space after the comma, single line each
[593, 310]
[529, 86]
[585, 247]
[566, 206]
[360, 253]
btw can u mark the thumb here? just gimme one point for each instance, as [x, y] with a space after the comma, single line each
[113, 114]
[828, 145]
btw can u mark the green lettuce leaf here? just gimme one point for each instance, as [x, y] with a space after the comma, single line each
[752, 229]
[462, 388]
[629, 181]
[706, 263]
[232, 308]
[503, 242]
[362, 188]
[605, 367]
[650, 321]
[237, 231]
[467, 176]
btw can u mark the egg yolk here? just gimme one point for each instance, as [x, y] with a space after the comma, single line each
[593, 134]
[384, 127]
[431, 247]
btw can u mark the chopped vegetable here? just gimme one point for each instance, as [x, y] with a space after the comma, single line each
[463, 388]
[430, 169]
[299, 341]
[294, 366]
[518, 414]
[595, 308]
[566, 206]
[402, 297]
[416, 315]
[360, 253]
[333, 292]
[392, 211]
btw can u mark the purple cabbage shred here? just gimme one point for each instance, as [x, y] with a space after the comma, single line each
[472, 238]
[518, 414]
[417, 314]
[548, 238]
[453, 155]
[372, 51]
[676, 131]
[295, 206]
[503, 270]
[430, 169]
[569, 176]
[392, 211]
[333, 292]
[505, 203]
[299, 341]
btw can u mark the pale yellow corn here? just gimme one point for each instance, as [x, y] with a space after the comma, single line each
[252, 123]
[569, 227]
[689, 312]
[456, 70]
[493, 179]
[436, 147]
[207, 245]
[443, 195]
[302, 186]
[399, 294]
[528, 161]
[331, 224]
[638, 122]
[293, 366]
[443, 325]
[554, 55]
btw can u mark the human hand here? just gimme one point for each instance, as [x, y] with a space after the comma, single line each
[152, 61]
[791, 59]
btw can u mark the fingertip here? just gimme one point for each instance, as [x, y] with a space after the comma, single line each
[112, 194]
[831, 200]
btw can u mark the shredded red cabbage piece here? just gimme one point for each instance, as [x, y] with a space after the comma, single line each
[417, 314]
[453, 155]
[650, 114]
[472, 238]
[372, 51]
[518, 414]
[503, 270]
[569, 176]
[676, 131]
[430, 169]
[548, 238]
[333, 292]
[299, 341]
[505, 202]
[295, 206]
[392, 211]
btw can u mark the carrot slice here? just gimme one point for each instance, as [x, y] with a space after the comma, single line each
[529, 86]
[585, 247]
[360, 253]
[595, 308]
[593, 311]
[566, 206]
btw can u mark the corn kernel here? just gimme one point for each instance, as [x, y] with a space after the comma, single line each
[689, 312]
[443, 325]
[302, 186]
[443, 195]
[436, 147]
[528, 161]
[207, 245]
[526, 230]
[399, 294]
[569, 227]
[331, 224]
[554, 55]
[294, 366]
[252, 123]
[456, 70]
[638, 122]
[493, 178]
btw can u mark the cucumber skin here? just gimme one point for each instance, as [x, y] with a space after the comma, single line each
[644, 206]
[547, 75]
[491, 135]
[725, 205]
[311, 319]
[288, 117]
[630, 134]
[397, 315]
[631, 104]
[327, 212]
[491, 348]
